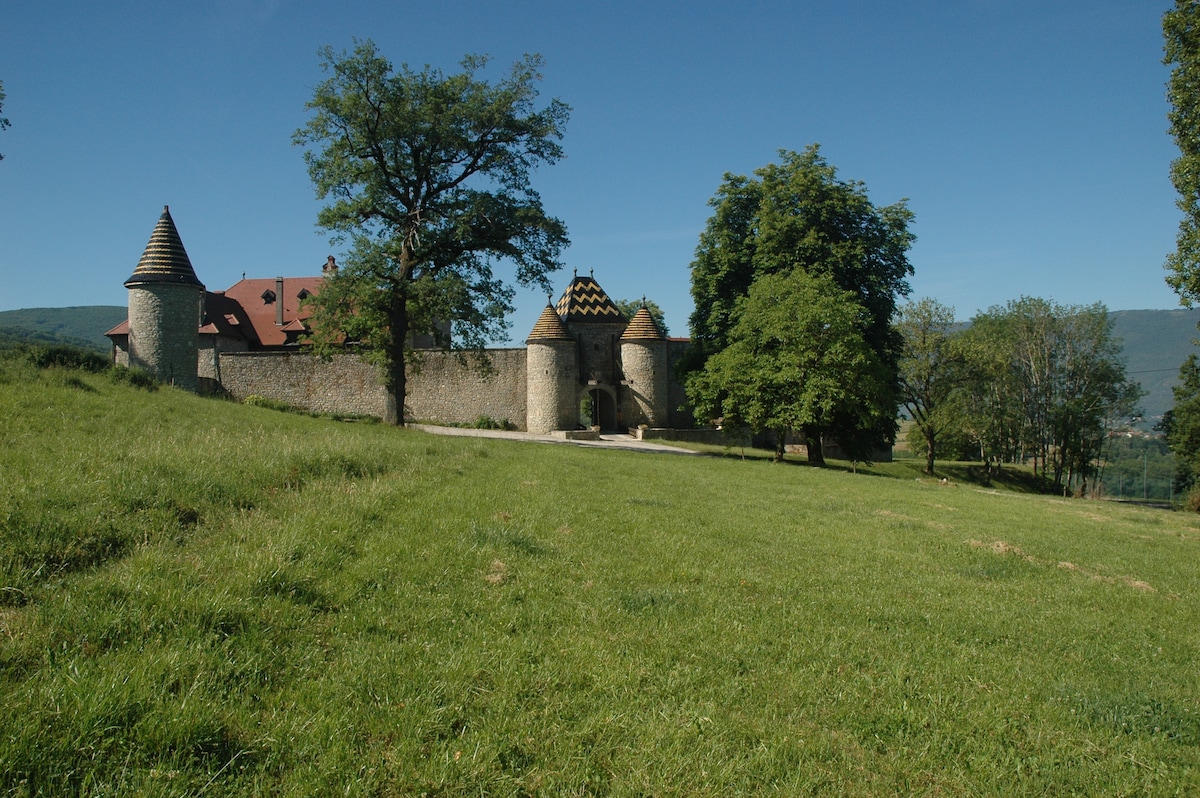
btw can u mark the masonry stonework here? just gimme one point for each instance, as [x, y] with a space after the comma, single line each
[645, 366]
[163, 320]
[445, 388]
[553, 386]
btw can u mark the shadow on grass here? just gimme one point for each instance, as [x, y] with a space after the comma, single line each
[1013, 478]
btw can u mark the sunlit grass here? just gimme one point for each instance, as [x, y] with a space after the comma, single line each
[297, 606]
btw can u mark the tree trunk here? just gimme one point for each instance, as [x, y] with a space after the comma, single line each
[929, 451]
[816, 454]
[780, 439]
[397, 387]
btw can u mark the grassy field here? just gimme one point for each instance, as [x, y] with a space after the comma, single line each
[201, 598]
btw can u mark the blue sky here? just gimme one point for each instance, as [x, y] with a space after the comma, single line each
[1030, 138]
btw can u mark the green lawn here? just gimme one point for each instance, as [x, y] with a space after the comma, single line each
[202, 598]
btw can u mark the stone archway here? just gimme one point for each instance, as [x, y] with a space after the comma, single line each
[600, 403]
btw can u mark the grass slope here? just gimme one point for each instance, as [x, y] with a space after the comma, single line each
[205, 598]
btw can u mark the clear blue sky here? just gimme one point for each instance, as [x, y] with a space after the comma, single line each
[1030, 138]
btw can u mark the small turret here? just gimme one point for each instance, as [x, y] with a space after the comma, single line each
[552, 377]
[644, 361]
[165, 298]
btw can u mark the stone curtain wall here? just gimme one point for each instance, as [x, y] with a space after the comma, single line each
[444, 390]
[344, 384]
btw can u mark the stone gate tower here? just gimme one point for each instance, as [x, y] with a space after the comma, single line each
[644, 363]
[165, 298]
[552, 375]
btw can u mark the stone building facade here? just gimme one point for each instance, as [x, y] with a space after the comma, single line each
[584, 363]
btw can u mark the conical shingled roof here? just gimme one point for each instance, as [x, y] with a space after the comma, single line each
[642, 328]
[549, 327]
[164, 259]
[584, 300]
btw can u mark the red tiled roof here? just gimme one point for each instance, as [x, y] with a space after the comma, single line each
[261, 316]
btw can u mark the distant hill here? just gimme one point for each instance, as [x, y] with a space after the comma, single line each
[81, 326]
[1156, 342]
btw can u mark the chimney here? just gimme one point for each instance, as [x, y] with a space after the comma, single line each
[279, 301]
[330, 268]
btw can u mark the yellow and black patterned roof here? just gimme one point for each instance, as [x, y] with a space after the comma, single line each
[584, 300]
[164, 259]
[642, 327]
[549, 327]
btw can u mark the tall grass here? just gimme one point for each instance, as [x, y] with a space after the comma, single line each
[296, 607]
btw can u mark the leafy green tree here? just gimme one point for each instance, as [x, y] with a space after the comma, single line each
[797, 360]
[4, 123]
[1047, 383]
[631, 306]
[429, 177]
[1181, 426]
[1181, 34]
[799, 215]
[930, 372]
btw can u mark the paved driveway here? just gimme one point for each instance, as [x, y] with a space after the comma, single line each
[607, 440]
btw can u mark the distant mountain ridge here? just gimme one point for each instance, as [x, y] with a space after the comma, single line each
[1156, 342]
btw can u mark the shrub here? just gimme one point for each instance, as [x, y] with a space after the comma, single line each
[487, 422]
[135, 377]
[69, 357]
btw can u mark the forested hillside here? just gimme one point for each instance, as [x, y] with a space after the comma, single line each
[1156, 342]
[83, 326]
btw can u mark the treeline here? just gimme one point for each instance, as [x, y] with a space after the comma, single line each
[798, 328]
[1030, 381]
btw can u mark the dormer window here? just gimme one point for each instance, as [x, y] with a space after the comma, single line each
[268, 296]
[304, 294]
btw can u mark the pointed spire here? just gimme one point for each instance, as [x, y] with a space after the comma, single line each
[642, 327]
[549, 327]
[164, 259]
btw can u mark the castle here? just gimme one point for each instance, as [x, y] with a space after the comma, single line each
[247, 340]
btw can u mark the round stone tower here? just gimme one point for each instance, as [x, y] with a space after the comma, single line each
[644, 362]
[165, 299]
[551, 374]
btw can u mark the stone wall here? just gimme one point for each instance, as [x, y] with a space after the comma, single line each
[344, 384]
[443, 390]
[447, 390]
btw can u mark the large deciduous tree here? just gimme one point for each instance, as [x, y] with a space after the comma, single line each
[428, 175]
[930, 371]
[1181, 34]
[797, 359]
[798, 215]
[1047, 383]
[1181, 425]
